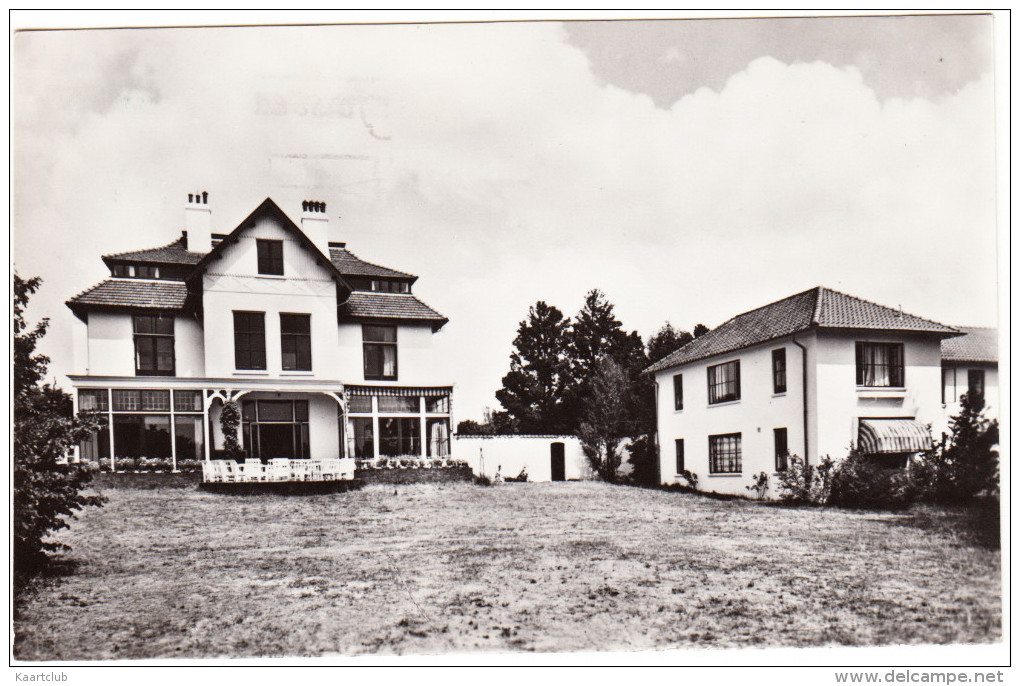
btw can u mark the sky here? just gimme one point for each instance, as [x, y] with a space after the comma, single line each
[691, 170]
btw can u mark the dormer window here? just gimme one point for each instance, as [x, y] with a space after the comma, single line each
[384, 286]
[270, 256]
[136, 271]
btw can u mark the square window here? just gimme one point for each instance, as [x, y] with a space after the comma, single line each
[879, 365]
[724, 454]
[724, 382]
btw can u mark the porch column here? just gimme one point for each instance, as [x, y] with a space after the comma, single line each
[113, 448]
[75, 457]
[423, 430]
[375, 425]
[206, 428]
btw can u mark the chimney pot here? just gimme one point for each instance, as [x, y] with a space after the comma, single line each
[191, 197]
[205, 197]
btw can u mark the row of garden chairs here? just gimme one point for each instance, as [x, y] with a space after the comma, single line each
[277, 469]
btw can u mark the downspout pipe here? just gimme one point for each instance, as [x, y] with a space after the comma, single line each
[655, 434]
[804, 395]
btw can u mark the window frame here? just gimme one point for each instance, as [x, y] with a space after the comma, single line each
[249, 336]
[681, 464]
[897, 368]
[714, 384]
[152, 338]
[716, 455]
[382, 346]
[301, 342]
[781, 448]
[678, 392]
[779, 371]
[269, 256]
[976, 374]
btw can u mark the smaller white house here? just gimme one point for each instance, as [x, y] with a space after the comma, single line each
[813, 375]
[970, 364]
[546, 458]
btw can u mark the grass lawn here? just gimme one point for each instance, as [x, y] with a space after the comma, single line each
[458, 567]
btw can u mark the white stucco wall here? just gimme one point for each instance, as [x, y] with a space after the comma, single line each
[109, 348]
[414, 356]
[842, 404]
[754, 416]
[512, 453]
[234, 284]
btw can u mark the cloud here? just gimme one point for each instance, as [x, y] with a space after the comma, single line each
[493, 162]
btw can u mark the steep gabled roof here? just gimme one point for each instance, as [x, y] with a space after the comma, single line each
[397, 306]
[978, 344]
[350, 264]
[818, 307]
[172, 253]
[268, 207]
[131, 294]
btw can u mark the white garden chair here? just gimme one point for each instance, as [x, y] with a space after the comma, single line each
[211, 472]
[230, 470]
[254, 470]
[279, 469]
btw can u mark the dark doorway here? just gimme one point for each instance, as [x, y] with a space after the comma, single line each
[559, 472]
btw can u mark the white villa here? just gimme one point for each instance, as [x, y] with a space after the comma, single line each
[327, 355]
[810, 375]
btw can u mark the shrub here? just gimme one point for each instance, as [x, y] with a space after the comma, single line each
[691, 478]
[189, 465]
[863, 481]
[230, 420]
[760, 487]
[968, 465]
[482, 480]
[644, 460]
[126, 464]
[104, 464]
[804, 483]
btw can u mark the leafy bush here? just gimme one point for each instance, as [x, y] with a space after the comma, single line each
[230, 420]
[482, 480]
[126, 464]
[104, 464]
[189, 465]
[691, 478]
[864, 481]
[760, 487]
[804, 483]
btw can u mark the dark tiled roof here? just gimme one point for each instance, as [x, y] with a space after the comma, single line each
[350, 264]
[364, 305]
[174, 253]
[816, 308]
[977, 345]
[134, 293]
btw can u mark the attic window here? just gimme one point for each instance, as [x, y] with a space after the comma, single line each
[384, 286]
[270, 256]
[132, 271]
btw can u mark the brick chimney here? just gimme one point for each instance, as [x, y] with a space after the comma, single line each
[198, 222]
[315, 224]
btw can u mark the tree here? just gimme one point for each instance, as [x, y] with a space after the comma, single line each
[969, 463]
[603, 420]
[595, 337]
[666, 341]
[47, 490]
[700, 330]
[644, 460]
[532, 391]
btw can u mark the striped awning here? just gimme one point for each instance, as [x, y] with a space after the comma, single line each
[893, 436]
[400, 391]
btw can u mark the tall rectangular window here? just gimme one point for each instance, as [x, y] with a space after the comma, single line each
[296, 341]
[249, 340]
[679, 455]
[380, 347]
[879, 364]
[399, 436]
[270, 256]
[154, 344]
[678, 392]
[782, 449]
[437, 432]
[724, 454]
[362, 435]
[724, 382]
[976, 383]
[779, 370]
